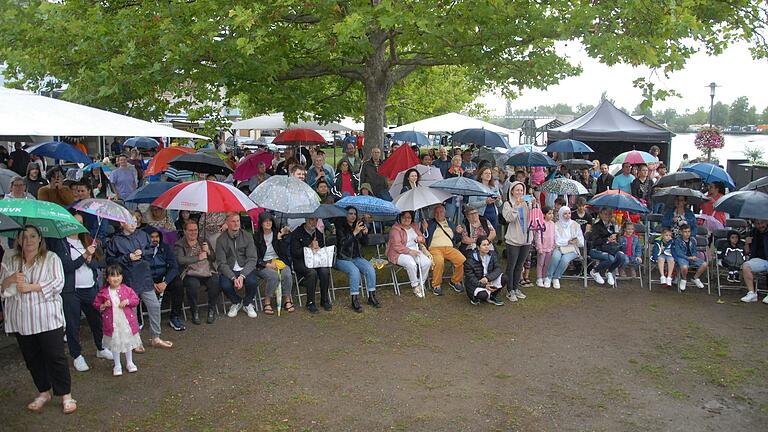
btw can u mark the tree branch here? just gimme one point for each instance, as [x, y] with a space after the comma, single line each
[320, 70]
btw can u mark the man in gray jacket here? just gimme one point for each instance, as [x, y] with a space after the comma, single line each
[236, 260]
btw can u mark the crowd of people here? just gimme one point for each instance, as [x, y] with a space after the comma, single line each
[109, 271]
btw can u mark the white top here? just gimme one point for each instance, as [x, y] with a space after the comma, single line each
[83, 274]
[270, 254]
[564, 235]
[411, 242]
[39, 311]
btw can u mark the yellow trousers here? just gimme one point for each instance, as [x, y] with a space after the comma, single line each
[439, 255]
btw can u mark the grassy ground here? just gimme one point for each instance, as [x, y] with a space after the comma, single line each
[597, 359]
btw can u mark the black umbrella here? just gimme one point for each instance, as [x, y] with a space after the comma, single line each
[668, 195]
[325, 211]
[201, 163]
[481, 137]
[531, 159]
[744, 204]
[682, 178]
[576, 163]
[760, 184]
[8, 224]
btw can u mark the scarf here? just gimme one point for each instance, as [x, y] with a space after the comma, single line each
[560, 222]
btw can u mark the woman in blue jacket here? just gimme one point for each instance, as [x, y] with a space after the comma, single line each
[681, 214]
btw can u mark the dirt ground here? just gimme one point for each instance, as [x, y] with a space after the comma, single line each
[576, 360]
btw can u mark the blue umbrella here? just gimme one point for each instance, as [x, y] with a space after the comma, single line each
[149, 192]
[531, 159]
[568, 146]
[104, 167]
[481, 137]
[369, 204]
[710, 173]
[744, 204]
[462, 186]
[618, 200]
[59, 150]
[411, 137]
[141, 142]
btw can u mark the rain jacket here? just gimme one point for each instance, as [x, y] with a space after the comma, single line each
[348, 245]
[136, 274]
[474, 271]
[163, 262]
[518, 218]
[684, 248]
[661, 248]
[107, 318]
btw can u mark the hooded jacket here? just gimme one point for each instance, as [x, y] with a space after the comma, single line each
[163, 262]
[34, 185]
[517, 233]
[136, 274]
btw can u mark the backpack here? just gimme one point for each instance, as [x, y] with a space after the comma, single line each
[536, 224]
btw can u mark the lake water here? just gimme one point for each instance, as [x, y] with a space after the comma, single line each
[734, 147]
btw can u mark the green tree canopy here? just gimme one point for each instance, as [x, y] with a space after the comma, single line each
[330, 57]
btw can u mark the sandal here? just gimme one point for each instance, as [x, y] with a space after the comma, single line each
[268, 309]
[37, 405]
[159, 343]
[290, 307]
[69, 406]
[139, 349]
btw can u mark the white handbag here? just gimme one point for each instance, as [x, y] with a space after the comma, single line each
[322, 258]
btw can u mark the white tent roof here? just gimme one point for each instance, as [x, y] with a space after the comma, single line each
[276, 121]
[451, 122]
[29, 114]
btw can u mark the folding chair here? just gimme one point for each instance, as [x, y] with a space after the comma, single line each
[586, 262]
[379, 241]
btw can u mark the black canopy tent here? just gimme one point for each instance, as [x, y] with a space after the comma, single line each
[610, 131]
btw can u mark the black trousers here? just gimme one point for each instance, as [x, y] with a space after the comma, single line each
[310, 277]
[74, 303]
[516, 256]
[190, 288]
[44, 355]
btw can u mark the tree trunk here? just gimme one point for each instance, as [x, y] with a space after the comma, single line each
[375, 106]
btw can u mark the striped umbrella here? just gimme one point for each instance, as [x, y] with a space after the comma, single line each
[634, 157]
[204, 196]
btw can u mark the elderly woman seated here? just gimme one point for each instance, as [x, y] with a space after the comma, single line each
[475, 226]
[403, 249]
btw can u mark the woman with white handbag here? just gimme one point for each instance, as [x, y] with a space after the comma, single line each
[404, 249]
[312, 261]
[568, 240]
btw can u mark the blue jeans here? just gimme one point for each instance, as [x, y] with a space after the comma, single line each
[607, 261]
[251, 283]
[559, 262]
[353, 268]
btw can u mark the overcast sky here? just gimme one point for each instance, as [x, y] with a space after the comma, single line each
[734, 70]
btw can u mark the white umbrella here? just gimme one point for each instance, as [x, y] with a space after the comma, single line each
[420, 197]
[428, 175]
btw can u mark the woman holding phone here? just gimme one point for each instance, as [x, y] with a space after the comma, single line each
[351, 236]
[518, 237]
[487, 206]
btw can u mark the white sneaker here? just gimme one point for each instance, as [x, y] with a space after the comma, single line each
[751, 297]
[596, 276]
[663, 280]
[556, 283]
[80, 364]
[519, 294]
[681, 285]
[104, 354]
[234, 309]
[117, 371]
[511, 296]
[540, 283]
[418, 292]
[765, 299]
[609, 278]
[699, 284]
[131, 367]
[547, 283]
[251, 311]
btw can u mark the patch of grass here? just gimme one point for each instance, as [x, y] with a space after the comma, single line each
[503, 375]
[7, 393]
[371, 340]
[431, 384]
[419, 319]
[486, 335]
[542, 300]
[303, 398]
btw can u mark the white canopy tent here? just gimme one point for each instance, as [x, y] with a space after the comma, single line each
[30, 115]
[449, 123]
[276, 121]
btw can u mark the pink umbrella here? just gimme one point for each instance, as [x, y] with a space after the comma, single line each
[249, 166]
[204, 196]
[709, 221]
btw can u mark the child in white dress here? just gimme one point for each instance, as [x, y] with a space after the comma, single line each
[117, 303]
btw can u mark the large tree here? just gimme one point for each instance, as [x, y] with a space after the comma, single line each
[331, 57]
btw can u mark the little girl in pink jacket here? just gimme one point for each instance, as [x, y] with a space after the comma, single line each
[117, 303]
[545, 244]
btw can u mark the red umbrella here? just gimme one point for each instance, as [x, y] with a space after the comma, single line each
[400, 160]
[300, 137]
[159, 163]
[204, 196]
[249, 166]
